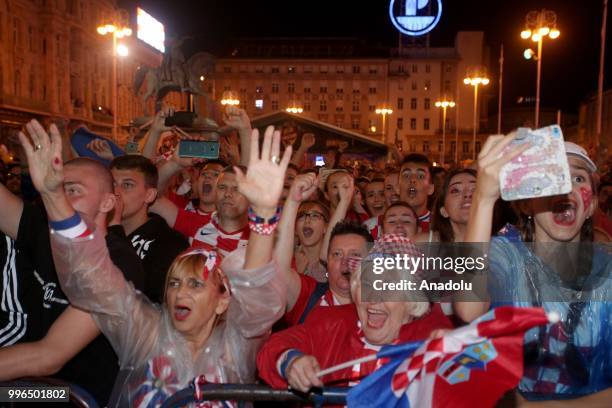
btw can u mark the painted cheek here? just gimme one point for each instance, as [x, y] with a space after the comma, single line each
[587, 196]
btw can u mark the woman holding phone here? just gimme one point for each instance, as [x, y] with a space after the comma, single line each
[554, 266]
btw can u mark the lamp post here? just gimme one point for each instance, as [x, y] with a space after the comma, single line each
[475, 81]
[538, 25]
[118, 50]
[384, 112]
[229, 98]
[444, 104]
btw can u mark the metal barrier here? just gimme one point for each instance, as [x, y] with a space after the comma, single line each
[248, 392]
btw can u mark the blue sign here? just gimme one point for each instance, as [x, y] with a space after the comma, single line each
[415, 20]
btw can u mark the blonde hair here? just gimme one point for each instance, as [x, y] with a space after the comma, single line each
[192, 264]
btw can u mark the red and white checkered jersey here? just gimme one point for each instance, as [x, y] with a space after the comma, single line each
[204, 231]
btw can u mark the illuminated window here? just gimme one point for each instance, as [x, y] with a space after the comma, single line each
[291, 70]
[259, 103]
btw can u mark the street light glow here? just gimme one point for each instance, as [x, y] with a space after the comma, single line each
[528, 53]
[543, 31]
[554, 33]
[122, 50]
[536, 37]
[525, 34]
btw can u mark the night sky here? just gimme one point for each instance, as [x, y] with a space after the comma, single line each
[570, 63]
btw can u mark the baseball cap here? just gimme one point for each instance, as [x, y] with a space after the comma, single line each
[576, 150]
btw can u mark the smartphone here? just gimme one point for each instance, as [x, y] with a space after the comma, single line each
[131, 148]
[199, 148]
[183, 119]
[540, 171]
[319, 161]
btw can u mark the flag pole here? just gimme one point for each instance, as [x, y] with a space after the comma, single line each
[347, 364]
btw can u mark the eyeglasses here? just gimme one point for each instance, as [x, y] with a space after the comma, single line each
[313, 215]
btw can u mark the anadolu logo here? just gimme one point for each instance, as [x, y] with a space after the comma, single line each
[415, 17]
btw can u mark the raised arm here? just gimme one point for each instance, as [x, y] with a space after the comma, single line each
[69, 334]
[303, 186]
[308, 140]
[238, 119]
[346, 189]
[158, 127]
[490, 161]
[87, 275]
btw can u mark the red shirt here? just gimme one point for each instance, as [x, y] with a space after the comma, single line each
[307, 287]
[424, 221]
[335, 337]
[204, 231]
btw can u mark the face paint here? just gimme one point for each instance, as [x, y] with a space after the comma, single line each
[587, 196]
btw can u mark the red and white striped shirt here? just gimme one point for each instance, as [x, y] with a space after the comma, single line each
[204, 231]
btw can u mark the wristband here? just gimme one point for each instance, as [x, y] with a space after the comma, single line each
[72, 227]
[289, 357]
[260, 226]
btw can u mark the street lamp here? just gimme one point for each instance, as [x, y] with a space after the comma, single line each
[475, 80]
[444, 104]
[294, 109]
[539, 25]
[118, 50]
[384, 112]
[229, 98]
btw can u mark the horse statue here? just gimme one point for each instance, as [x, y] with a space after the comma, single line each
[181, 77]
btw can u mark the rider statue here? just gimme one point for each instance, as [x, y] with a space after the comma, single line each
[173, 64]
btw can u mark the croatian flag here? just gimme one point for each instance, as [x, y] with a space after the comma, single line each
[472, 366]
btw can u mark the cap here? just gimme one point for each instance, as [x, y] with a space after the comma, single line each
[576, 150]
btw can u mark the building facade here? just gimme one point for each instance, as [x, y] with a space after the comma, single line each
[53, 63]
[587, 128]
[343, 82]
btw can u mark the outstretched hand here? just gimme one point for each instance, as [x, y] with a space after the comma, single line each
[237, 118]
[44, 156]
[262, 185]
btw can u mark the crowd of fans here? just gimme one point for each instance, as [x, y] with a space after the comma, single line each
[145, 273]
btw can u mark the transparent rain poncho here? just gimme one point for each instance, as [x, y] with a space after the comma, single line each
[573, 357]
[153, 355]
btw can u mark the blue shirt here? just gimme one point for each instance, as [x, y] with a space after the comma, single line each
[520, 278]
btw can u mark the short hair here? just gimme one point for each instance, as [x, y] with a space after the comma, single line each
[324, 208]
[140, 164]
[417, 158]
[106, 178]
[377, 180]
[294, 167]
[230, 169]
[400, 204]
[220, 162]
[336, 171]
[348, 228]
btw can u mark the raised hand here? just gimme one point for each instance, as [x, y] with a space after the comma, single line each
[308, 140]
[101, 148]
[491, 159]
[263, 183]
[303, 186]
[237, 118]
[159, 122]
[44, 156]
[346, 189]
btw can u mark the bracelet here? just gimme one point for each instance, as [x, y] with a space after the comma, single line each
[289, 357]
[70, 222]
[72, 227]
[260, 226]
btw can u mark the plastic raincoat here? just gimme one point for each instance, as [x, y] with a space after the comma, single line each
[154, 357]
